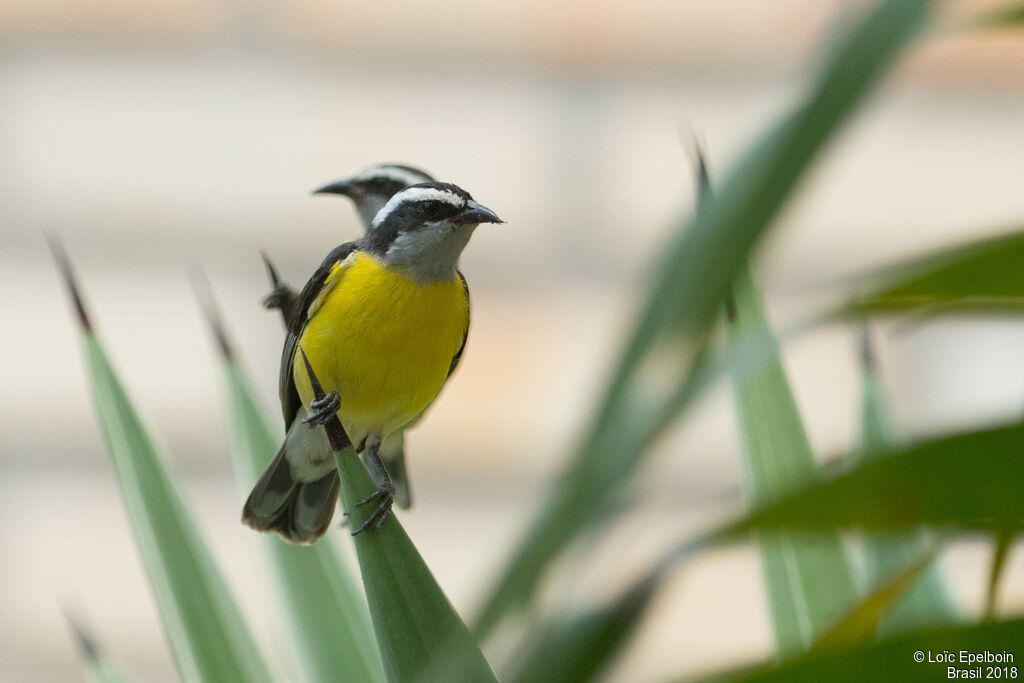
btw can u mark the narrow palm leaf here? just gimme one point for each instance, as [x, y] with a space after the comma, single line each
[927, 602]
[809, 582]
[420, 635]
[1010, 16]
[860, 624]
[983, 275]
[690, 284]
[98, 668]
[893, 659]
[579, 648]
[968, 481]
[330, 625]
[330, 630]
[209, 639]
[1000, 553]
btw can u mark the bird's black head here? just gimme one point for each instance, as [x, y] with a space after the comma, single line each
[425, 227]
[371, 188]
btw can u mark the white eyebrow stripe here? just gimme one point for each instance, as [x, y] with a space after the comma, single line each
[416, 194]
[393, 173]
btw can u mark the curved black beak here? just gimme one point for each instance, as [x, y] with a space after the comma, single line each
[477, 213]
[345, 187]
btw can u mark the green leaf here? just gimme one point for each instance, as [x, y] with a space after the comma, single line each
[417, 628]
[208, 637]
[1004, 540]
[861, 623]
[979, 276]
[689, 286]
[927, 602]
[968, 481]
[895, 659]
[1010, 16]
[100, 670]
[809, 581]
[579, 648]
[420, 635]
[330, 627]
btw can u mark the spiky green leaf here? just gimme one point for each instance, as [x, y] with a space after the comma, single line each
[420, 635]
[417, 628]
[926, 603]
[860, 624]
[897, 659]
[329, 625]
[208, 637]
[968, 481]
[98, 667]
[809, 582]
[689, 286]
[977, 276]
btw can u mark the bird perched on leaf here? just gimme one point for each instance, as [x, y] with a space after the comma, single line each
[382, 322]
[369, 190]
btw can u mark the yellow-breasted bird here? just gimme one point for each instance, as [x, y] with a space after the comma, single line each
[382, 321]
[369, 190]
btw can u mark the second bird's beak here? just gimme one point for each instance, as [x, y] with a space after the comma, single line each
[345, 187]
[477, 213]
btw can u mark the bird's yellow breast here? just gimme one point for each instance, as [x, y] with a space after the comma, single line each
[383, 341]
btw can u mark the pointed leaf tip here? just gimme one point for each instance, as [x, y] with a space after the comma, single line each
[861, 623]
[318, 391]
[332, 635]
[700, 163]
[1004, 539]
[336, 434]
[703, 179]
[208, 305]
[730, 307]
[867, 350]
[275, 279]
[208, 637]
[86, 643]
[68, 275]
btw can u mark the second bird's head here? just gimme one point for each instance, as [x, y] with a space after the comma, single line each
[424, 228]
[371, 188]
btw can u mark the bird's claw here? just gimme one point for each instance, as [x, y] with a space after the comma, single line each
[324, 409]
[386, 495]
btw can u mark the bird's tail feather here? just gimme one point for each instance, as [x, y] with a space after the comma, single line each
[299, 511]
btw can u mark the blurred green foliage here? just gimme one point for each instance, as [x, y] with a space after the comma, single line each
[826, 629]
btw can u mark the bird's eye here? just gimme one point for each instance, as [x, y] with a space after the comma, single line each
[377, 184]
[431, 209]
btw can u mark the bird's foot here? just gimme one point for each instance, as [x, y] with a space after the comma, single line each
[385, 493]
[323, 409]
[278, 297]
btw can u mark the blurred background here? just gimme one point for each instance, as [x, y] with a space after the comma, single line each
[156, 138]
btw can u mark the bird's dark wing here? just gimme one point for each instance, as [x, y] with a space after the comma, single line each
[465, 335]
[290, 401]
